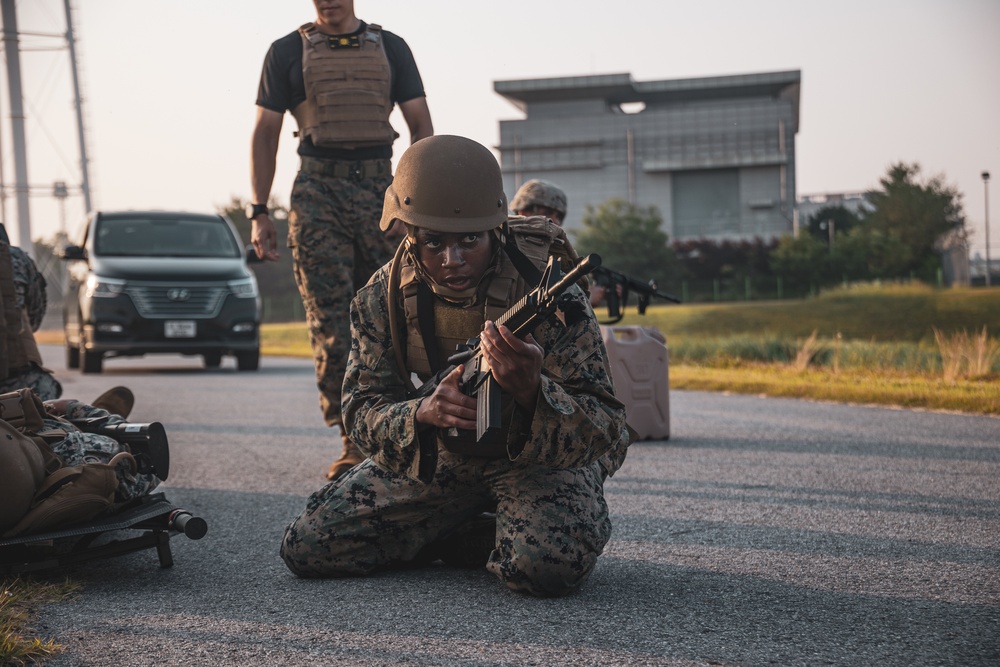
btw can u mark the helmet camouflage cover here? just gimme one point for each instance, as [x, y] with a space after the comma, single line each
[447, 184]
[539, 193]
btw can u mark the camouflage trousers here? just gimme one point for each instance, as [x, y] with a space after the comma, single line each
[79, 447]
[336, 246]
[551, 524]
[38, 379]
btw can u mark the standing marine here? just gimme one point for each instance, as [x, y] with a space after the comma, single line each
[340, 77]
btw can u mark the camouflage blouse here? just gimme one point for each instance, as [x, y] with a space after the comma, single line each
[577, 419]
[29, 284]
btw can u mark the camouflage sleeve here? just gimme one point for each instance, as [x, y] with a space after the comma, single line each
[30, 286]
[379, 418]
[577, 418]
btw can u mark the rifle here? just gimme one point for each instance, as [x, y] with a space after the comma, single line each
[610, 279]
[477, 380]
[147, 442]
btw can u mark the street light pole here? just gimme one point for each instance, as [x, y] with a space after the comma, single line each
[986, 197]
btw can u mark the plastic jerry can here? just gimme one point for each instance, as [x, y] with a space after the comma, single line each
[640, 368]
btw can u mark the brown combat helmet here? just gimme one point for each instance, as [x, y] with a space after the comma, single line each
[446, 183]
[539, 193]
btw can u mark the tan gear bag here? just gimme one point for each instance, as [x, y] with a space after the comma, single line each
[72, 495]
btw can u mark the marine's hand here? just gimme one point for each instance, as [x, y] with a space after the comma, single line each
[448, 406]
[57, 406]
[264, 238]
[516, 363]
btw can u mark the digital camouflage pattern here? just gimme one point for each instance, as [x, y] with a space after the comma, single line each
[78, 448]
[30, 285]
[336, 246]
[39, 380]
[552, 520]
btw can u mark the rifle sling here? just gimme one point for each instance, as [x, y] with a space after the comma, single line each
[521, 262]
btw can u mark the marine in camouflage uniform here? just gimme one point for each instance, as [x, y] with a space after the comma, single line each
[345, 144]
[30, 298]
[336, 247]
[545, 483]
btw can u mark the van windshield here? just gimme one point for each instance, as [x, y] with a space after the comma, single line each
[179, 237]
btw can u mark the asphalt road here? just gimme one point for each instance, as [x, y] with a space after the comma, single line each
[765, 531]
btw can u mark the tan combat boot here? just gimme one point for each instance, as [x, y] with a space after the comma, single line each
[350, 457]
[117, 401]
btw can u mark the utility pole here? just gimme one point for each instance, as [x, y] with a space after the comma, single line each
[13, 56]
[84, 175]
[986, 195]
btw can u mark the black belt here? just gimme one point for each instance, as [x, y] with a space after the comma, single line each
[358, 170]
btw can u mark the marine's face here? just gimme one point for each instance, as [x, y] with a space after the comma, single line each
[456, 260]
[334, 14]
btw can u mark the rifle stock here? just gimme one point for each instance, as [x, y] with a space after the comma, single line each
[521, 319]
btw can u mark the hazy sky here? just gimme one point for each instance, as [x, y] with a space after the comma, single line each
[169, 85]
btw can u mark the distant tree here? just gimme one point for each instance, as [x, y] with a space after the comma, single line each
[708, 259]
[840, 219]
[275, 279]
[629, 240]
[907, 221]
[802, 261]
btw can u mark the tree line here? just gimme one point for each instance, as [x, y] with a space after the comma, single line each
[902, 232]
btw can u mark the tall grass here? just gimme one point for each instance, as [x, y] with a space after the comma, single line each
[965, 355]
[836, 353]
[833, 353]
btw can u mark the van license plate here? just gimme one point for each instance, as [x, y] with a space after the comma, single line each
[179, 329]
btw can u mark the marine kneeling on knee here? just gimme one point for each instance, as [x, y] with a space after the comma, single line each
[528, 502]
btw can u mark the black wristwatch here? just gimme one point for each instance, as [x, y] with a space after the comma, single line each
[253, 210]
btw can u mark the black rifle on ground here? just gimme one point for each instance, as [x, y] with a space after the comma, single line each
[533, 308]
[611, 279]
[147, 442]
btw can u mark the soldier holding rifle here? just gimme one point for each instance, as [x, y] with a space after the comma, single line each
[461, 268]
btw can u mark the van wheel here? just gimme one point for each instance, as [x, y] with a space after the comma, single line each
[212, 359]
[248, 361]
[72, 357]
[92, 361]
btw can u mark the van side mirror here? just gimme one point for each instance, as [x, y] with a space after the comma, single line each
[73, 252]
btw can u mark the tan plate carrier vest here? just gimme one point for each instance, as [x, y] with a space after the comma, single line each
[536, 237]
[17, 342]
[348, 96]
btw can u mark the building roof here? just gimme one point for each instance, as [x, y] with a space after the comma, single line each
[622, 88]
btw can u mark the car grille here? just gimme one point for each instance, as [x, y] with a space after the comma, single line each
[159, 301]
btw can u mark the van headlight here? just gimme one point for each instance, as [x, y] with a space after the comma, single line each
[245, 288]
[104, 288]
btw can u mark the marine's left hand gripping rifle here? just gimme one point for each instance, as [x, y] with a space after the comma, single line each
[521, 319]
[610, 279]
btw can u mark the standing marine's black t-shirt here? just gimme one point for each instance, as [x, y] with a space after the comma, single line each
[282, 88]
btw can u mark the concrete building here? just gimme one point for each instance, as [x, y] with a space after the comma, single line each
[810, 205]
[715, 155]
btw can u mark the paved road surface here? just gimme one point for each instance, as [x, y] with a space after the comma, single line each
[765, 531]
